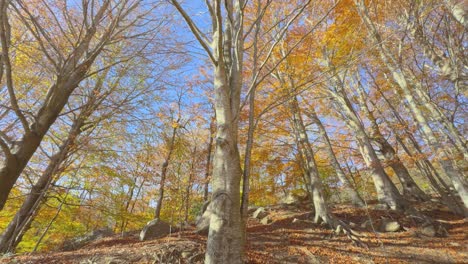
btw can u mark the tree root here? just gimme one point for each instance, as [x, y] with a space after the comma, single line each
[339, 227]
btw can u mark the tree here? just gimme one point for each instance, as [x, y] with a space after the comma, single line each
[409, 90]
[70, 66]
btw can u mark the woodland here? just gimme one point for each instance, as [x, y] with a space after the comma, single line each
[256, 131]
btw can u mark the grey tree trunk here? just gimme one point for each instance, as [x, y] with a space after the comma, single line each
[445, 159]
[387, 193]
[322, 213]
[225, 51]
[409, 187]
[351, 192]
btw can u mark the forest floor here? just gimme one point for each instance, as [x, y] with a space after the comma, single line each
[283, 241]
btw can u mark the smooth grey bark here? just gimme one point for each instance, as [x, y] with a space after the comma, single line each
[225, 51]
[409, 187]
[387, 193]
[322, 213]
[348, 188]
[411, 146]
[444, 158]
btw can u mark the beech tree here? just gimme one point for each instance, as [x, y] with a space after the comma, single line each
[79, 36]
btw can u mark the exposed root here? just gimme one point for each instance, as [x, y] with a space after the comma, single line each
[339, 227]
[354, 236]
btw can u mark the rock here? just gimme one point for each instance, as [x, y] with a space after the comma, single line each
[387, 225]
[203, 223]
[428, 230]
[252, 209]
[290, 199]
[260, 213]
[454, 244]
[266, 220]
[81, 241]
[186, 254]
[155, 229]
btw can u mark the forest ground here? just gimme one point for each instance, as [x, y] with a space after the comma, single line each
[283, 241]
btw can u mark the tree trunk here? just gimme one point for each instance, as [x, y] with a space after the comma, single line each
[71, 74]
[165, 165]
[351, 192]
[225, 243]
[30, 206]
[387, 193]
[225, 234]
[59, 209]
[409, 186]
[322, 213]
[248, 158]
[208, 161]
[445, 159]
[188, 189]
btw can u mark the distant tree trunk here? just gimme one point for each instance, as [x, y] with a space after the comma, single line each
[322, 213]
[13, 232]
[189, 184]
[305, 173]
[248, 158]
[132, 207]
[164, 167]
[387, 193]
[208, 160]
[127, 205]
[59, 209]
[73, 71]
[445, 159]
[409, 186]
[352, 193]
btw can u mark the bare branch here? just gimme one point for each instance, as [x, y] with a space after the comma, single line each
[195, 30]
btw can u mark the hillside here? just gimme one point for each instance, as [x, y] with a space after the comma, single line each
[290, 238]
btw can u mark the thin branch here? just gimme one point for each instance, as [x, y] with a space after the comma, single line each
[195, 30]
